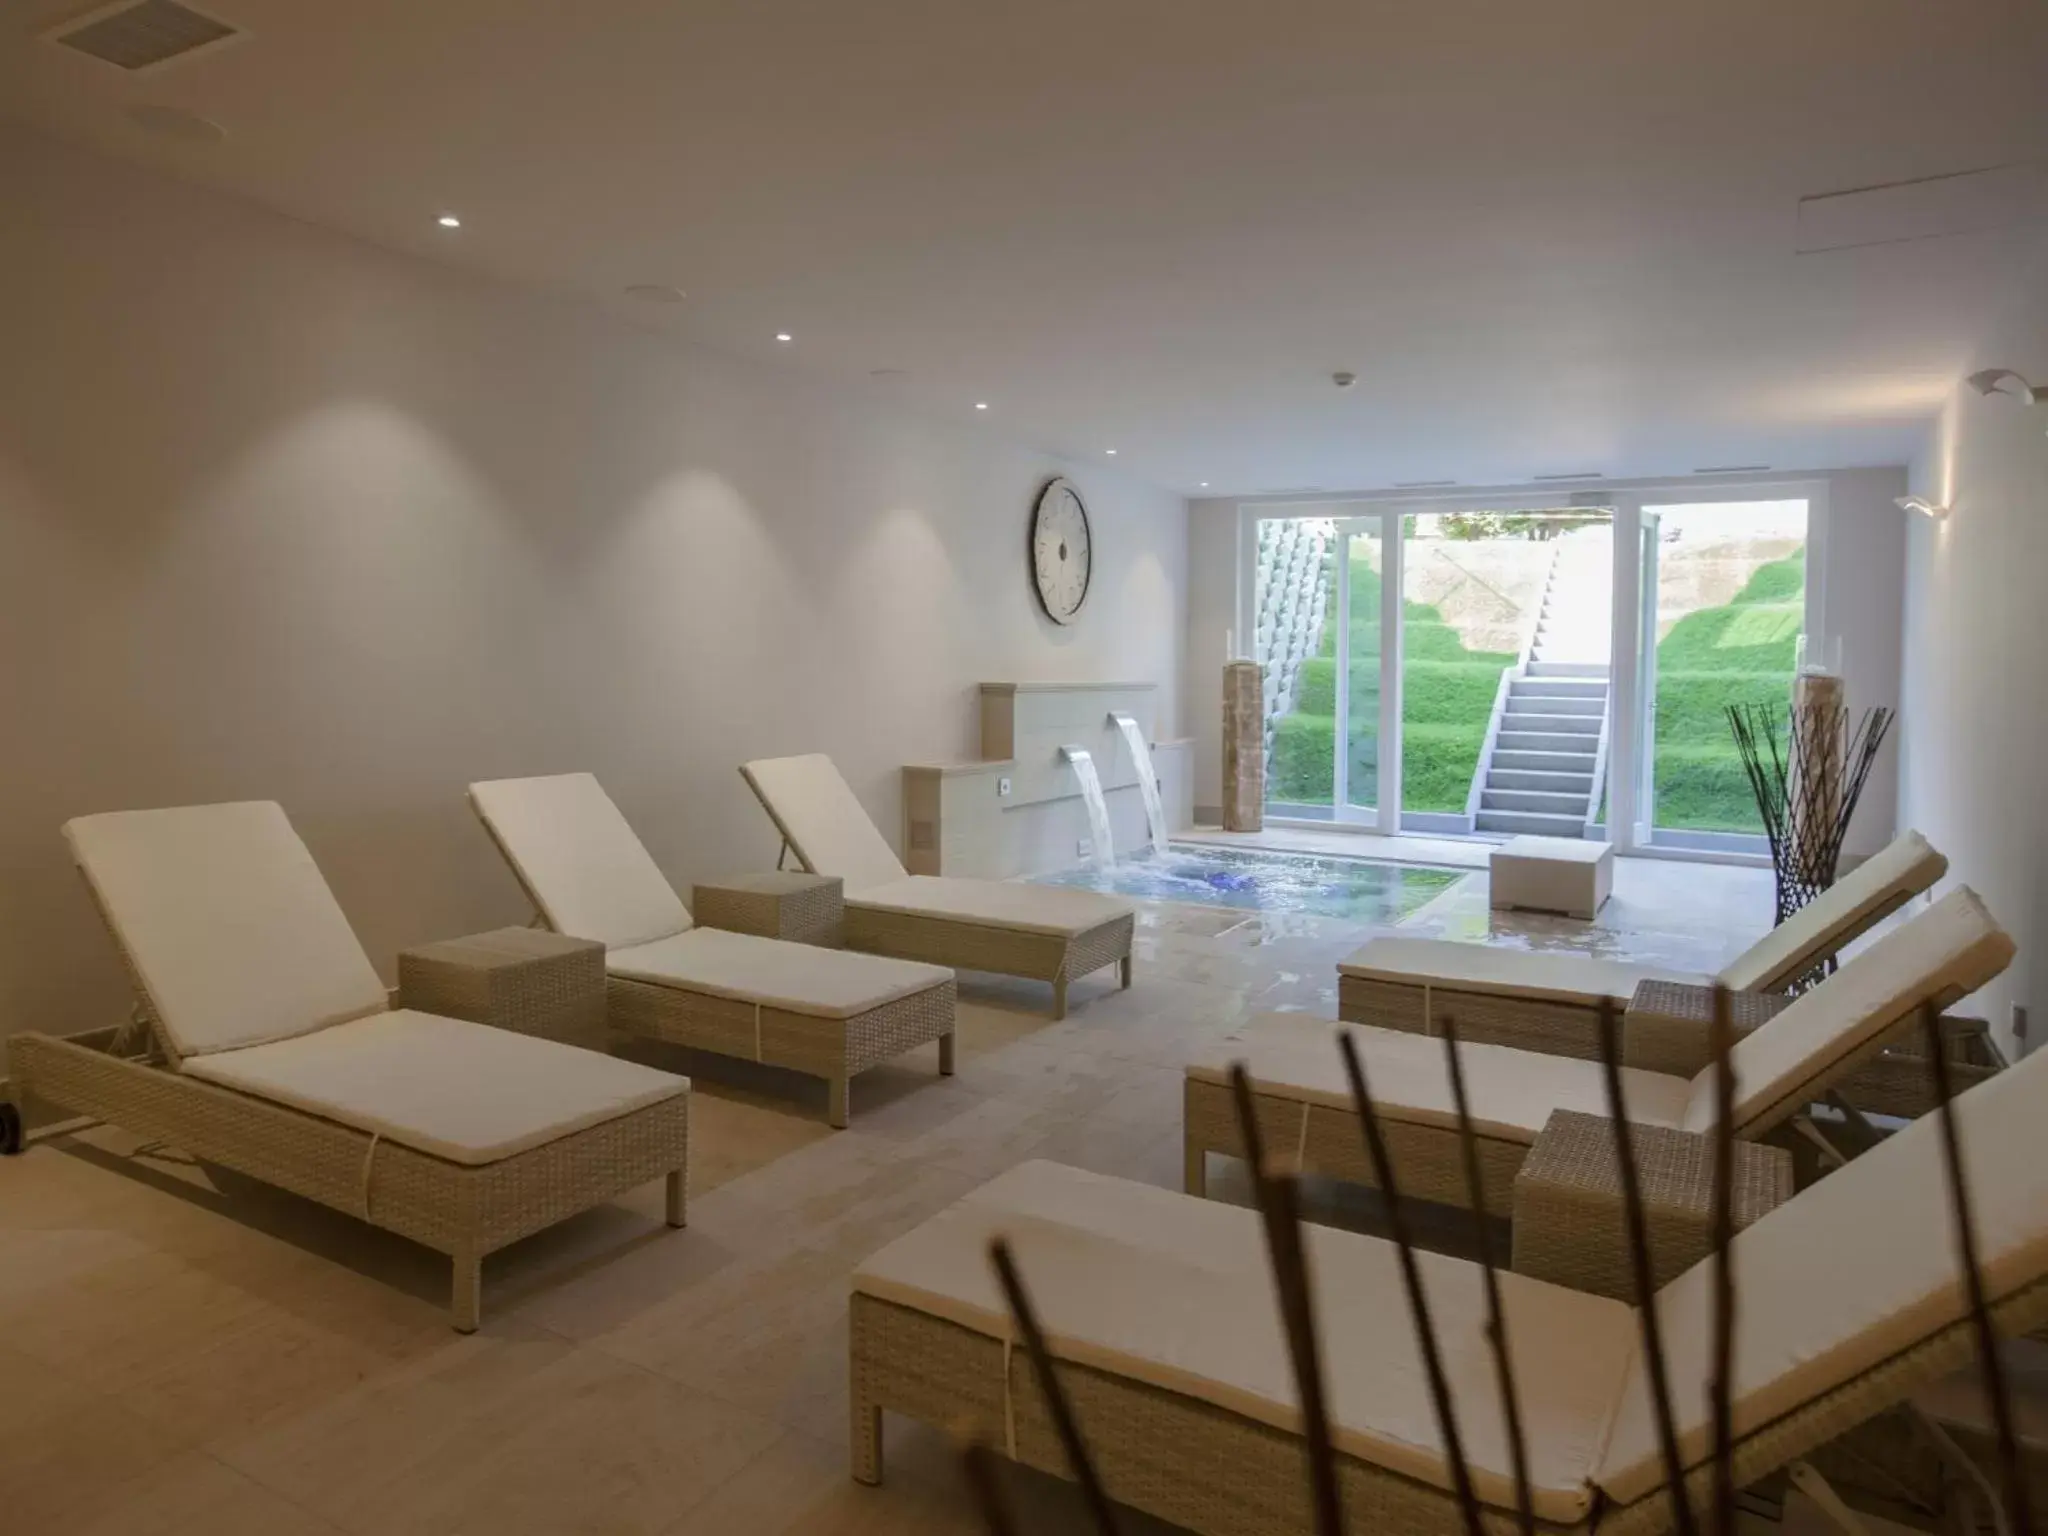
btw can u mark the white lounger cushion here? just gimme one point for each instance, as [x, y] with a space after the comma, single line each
[1940, 954]
[798, 978]
[233, 933]
[446, 1087]
[995, 904]
[1512, 1092]
[1544, 975]
[1175, 1292]
[1859, 1267]
[1905, 868]
[578, 859]
[816, 810]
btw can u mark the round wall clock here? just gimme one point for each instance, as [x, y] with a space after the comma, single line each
[1062, 552]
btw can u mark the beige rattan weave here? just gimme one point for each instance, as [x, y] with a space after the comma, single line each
[970, 946]
[834, 1049]
[781, 904]
[465, 1212]
[1570, 1223]
[522, 979]
[1427, 1160]
[1221, 1474]
[1485, 1018]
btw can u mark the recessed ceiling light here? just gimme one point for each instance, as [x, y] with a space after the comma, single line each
[1110, 451]
[449, 221]
[784, 336]
[981, 405]
[656, 293]
[1204, 485]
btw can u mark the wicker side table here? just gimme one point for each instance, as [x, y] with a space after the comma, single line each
[782, 904]
[1669, 1023]
[521, 979]
[1571, 1229]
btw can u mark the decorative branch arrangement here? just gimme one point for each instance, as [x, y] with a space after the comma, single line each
[1807, 769]
[1277, 1194]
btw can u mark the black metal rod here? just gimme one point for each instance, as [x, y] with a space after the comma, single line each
[2018, 1507]
[984, 1480]
[1720, 1041]
[1639, 1262]
[1496, 1319]
[1068, 1428]
[1279, 1204]
[1411, 1280]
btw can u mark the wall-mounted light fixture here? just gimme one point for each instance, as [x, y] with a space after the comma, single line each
[1926, 508]
[2003, 381]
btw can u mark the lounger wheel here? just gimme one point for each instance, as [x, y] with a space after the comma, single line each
[11, 1137]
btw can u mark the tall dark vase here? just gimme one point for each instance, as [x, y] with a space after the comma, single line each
[1807, 766]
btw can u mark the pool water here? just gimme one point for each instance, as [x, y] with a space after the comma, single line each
[1363, 890]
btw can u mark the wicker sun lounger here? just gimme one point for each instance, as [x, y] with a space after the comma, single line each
[281, 1058]
[977, 925]
[1162, 1315]
[1548, 1001]
[1304, 1100]
[823, 1012]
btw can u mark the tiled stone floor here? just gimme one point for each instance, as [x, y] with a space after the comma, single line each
[183, 1351]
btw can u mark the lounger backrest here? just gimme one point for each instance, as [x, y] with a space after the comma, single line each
[579, 860]
[1938, 955]
[816, 812]
[1859, 1268]
[230, 930]
[1879, 885]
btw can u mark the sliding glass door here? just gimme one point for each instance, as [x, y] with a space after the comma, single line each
[1722, 621]
[1320, 637]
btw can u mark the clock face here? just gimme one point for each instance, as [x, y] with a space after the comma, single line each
[1062, 554]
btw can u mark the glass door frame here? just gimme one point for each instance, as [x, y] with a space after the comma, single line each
[1384, 815]
[1630, 749]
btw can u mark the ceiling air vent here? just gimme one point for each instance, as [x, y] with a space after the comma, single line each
[135, 35]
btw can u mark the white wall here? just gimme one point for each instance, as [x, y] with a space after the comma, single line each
[1862, 571]
[1975, 774]
[286, 516]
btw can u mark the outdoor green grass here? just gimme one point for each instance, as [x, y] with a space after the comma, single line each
[1739, 653]
[1446, 700]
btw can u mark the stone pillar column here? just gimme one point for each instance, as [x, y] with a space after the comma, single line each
[1244, 747]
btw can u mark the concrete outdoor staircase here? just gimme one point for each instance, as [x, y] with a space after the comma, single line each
[1543, 773]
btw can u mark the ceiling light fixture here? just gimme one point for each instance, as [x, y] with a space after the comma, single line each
[1922, 505]
[1205, 485]
[1110, 451]
[981, 405]
[784, 336]
[449, 221]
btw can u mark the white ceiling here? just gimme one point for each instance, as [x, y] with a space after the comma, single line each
[1547, 237]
